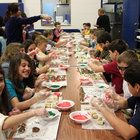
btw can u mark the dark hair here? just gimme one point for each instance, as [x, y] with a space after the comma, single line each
[118, 45]
[57, 23]
[84, 23]
[88, 24]
[4, 107]
[132, 74]
[46, 33]
[12, 9]
[127, 57]
[103, 37]
[14, 74]
[27, 43]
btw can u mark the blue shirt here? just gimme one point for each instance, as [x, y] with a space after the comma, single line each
[134, 103]
[12, 92]
[13, 27]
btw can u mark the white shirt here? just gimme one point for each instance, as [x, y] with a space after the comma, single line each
[126, 91]
[2, 133]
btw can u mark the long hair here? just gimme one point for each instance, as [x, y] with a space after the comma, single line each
[14, 73]
[4, 97]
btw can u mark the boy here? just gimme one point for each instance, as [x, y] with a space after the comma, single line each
[57, 32]
[115, 48]
[132, 128]
[123, 61]
[49, 35]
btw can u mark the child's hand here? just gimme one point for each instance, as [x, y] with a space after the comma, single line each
[14, 111]
[41, 95]
[28, 92]
[40, 112]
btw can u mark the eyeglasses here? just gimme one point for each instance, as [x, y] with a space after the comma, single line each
[122, 68]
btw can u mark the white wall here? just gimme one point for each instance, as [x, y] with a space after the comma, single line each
[81, 11]
[8, 1]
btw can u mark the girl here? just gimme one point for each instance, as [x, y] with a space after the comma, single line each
[20, 76]
[30, 49]
[11, 50]
[9, 122]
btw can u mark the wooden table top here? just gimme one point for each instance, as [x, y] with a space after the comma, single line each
[69, 130]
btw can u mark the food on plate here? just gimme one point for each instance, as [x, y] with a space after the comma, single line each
[94, 115]
[52, 100]
[65, 104]
[35, 129]
[21, 128]
[51, 113]
[80, 117]
[100, 121]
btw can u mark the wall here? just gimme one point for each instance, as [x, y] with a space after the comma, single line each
[81, 11]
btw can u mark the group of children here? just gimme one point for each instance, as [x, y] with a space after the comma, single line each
[23, 66]
[120, 67]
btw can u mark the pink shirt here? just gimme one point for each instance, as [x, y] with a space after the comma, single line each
[116, 77]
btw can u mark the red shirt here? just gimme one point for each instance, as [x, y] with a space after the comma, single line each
[116, 77]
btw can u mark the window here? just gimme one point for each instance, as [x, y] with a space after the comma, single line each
[59, 10]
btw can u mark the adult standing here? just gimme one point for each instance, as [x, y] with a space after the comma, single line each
[103, 20]
[14, 23]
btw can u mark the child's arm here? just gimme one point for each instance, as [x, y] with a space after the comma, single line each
[123, 128]
[95, 67]
[11, 121]
[26, 104]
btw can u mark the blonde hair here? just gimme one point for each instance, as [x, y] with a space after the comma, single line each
[101, 10]
[40, 39]
[11, 50]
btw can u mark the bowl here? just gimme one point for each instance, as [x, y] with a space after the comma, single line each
[80, 116]
[65, 104]
[53, 113]
[83, 65]
[54, 87]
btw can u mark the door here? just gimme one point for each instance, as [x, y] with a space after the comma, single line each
[131, 12]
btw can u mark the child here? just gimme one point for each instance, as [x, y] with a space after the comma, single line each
[115, 48]
[21, 76]
[9, 122]
[86, 30]
[103, 40]
[123, 61]
[30, 49]
[57, 31]
[12, 49]
[49, 35]
[132, 128]
[41, 43]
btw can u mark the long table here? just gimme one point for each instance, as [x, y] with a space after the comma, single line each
[69, 130]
